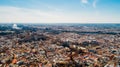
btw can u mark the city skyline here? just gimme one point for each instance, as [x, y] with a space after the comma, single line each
[60, 11]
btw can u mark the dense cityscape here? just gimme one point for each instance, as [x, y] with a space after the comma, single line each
[59, 45]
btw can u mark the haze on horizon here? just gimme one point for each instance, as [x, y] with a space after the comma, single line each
[59, 11]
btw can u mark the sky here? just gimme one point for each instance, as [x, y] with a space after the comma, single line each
[60, 11]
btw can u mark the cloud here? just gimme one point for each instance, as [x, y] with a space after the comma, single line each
[17, 14]
[94, 3]
[84, 1]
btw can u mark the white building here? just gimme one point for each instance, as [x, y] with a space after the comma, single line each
[15, 26]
